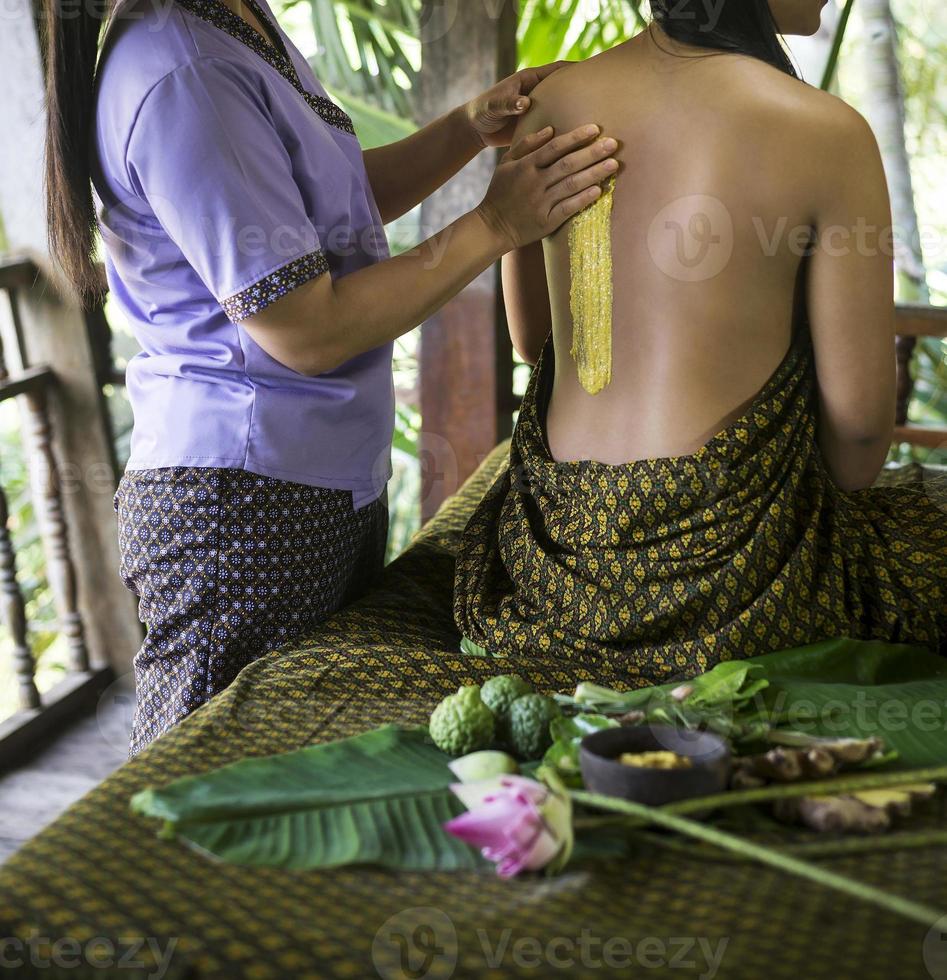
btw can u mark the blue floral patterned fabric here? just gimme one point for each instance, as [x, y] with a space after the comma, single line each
[227, 566]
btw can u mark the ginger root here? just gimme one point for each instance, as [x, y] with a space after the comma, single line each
[798, 757]
[804, 758]
[864, 812]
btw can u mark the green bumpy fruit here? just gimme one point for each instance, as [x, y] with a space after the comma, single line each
[462, 723]
[500, 692]
[530, 716]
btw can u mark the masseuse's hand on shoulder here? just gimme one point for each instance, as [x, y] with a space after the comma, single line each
[545, 180]
[541, 183]
[493, 115]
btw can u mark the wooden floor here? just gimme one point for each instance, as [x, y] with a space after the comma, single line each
[34, 794]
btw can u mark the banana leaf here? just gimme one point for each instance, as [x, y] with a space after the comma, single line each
[377, 798]
[852, 688]
[382, 797]
[842, 687]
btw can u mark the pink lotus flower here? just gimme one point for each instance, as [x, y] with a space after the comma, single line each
[518, 823]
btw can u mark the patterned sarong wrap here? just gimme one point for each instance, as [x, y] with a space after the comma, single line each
[666, 567]
[228, 565]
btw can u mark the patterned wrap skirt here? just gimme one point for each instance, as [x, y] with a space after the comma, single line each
[229, 565]
[665, 567]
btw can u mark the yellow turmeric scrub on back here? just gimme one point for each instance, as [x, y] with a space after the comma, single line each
[590, 292]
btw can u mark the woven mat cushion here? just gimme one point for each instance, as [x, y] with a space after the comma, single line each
[100, 876]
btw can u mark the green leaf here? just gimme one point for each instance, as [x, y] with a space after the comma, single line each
[722, 684]
[831, 66]
[471, 649]
[378, 798]
[851, 688]
[374, 126]
[369, 51]
[567, 734]
[840, 687]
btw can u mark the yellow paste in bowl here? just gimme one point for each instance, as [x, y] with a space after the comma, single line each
[655, 760]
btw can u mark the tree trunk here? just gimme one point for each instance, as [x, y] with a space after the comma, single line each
[885, 109]
[466, 360]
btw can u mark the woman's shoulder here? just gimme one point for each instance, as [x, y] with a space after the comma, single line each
[148, 40]
[157, 64]
[818, 131]
[730, 90]
[755, 85]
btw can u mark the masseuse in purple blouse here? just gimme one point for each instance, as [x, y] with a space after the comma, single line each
[243, 233]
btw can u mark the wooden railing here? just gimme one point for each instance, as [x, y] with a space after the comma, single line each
[32, 386]
[914, 322]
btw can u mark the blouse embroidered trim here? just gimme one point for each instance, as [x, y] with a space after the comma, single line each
[269, 289]
[331, 113]
[214, 12]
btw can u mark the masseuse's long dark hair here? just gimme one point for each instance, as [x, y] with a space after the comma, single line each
[737, 26]
[71, 46]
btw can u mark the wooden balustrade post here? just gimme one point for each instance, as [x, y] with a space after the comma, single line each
[48, 501]
[904, 348]
[81, 536]
[11, 596]
[14, 614]
[465, 360]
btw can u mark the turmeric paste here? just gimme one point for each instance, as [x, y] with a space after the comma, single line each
[590, 291]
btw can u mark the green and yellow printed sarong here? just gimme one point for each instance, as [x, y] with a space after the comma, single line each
[669, 566]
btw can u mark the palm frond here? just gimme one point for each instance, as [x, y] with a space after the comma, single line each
[369, 50]
[574, 30]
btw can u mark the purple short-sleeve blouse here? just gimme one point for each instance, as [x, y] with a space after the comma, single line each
[224, 178]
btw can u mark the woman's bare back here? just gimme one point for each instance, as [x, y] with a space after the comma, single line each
[718, 198]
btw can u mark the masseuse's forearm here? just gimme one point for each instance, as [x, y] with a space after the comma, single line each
[538, 186]
[323, 324]
[384, 301]
[403, 174]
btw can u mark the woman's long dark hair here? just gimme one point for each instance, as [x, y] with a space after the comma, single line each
[737, 26]
[71, 48]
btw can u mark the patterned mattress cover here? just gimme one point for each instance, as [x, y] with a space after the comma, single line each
[98, 892]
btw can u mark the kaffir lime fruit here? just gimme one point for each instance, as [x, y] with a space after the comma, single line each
[530, 716]
[462, 723]
[500, 692]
